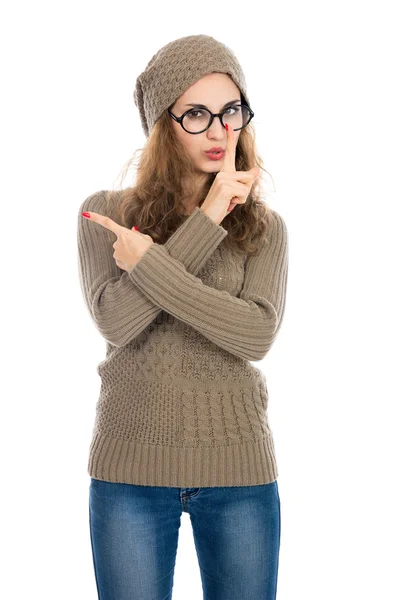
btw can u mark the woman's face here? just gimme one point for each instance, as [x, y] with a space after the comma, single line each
[214, 90]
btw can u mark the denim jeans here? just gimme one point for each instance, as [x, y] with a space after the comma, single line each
[134, 537]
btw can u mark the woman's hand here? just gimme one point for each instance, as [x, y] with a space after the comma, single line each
[130, 244]
[230, 187]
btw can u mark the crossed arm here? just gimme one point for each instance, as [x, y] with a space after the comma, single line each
[122, 306]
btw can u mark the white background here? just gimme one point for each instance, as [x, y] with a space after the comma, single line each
[323, 83]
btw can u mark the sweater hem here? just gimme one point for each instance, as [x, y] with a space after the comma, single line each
[120, 461]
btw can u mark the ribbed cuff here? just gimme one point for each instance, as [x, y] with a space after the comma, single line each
[195, 240]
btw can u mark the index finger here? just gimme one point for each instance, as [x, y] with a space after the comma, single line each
[106, 222]
[230, 152]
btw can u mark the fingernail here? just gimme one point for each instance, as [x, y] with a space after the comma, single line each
[226, 126]
[86, 214]
[135, 228]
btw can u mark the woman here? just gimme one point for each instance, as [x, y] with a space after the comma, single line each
[185, 275]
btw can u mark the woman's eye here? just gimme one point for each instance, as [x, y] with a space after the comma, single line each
[234, 108]
[192, 113]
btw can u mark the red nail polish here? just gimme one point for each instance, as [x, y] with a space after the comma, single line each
[226, 126]
[86, 214]
[135, 228]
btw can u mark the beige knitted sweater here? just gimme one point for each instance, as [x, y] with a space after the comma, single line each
[180, 402]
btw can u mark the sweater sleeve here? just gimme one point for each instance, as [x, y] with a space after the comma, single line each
[245, 326]
[119, 308]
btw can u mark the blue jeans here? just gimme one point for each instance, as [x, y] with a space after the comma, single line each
[134, 538]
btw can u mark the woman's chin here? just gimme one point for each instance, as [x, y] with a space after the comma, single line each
[210, 167]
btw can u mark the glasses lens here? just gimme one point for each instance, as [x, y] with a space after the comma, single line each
[198, 119]
[237, 116]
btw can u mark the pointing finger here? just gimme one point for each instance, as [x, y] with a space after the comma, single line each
[106, 222]
[229, 158]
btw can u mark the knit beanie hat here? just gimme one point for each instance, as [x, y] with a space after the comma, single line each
[177, 66]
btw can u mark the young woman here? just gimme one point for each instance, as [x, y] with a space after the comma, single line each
[184, 275]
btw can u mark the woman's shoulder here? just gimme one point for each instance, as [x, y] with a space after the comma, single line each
[93, 202]
[278, 222]
[102, 201]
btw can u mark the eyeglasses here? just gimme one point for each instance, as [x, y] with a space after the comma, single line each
[197, 120]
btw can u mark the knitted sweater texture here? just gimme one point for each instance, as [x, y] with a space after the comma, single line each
[181, 403]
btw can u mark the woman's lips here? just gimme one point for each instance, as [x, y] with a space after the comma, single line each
[213, 156]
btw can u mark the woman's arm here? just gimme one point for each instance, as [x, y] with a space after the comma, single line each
[118, 307]
[245, 326]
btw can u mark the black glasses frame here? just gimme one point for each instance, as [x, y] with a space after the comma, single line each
[212, 117]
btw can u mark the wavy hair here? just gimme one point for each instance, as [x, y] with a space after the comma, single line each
[156, 203]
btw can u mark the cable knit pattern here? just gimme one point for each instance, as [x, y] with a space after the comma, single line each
[180, 402]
